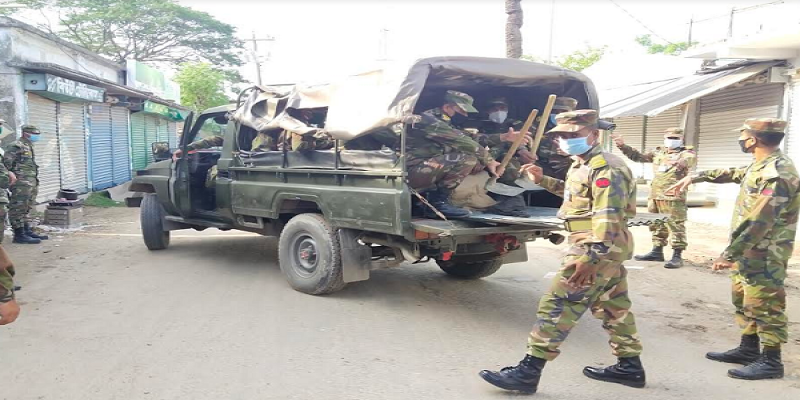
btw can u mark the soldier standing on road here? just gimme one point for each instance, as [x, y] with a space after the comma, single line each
[599, 197]
[440, 156]
[671, 163]
[19, 158]
[7, 179]
[762, 239]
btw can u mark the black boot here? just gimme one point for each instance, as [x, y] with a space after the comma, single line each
[524, 377]
[29, 232]
[768, 366]
[628, 371]
[21, 237]
[441, 200]
[676, 261]
[746, 353]
[657, 254]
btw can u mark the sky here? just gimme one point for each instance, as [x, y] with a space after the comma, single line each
[316, 40]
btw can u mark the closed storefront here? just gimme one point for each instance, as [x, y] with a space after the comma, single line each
[121, 142]
[155, 124]
[102, 143]
[793, 134]
[72, 145]
[43, 113]
[632, 129]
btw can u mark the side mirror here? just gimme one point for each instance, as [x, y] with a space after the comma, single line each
[161, 151]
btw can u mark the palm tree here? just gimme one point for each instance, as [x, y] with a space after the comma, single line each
[513, 25]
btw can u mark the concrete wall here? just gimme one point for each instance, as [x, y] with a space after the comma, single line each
[11, 94]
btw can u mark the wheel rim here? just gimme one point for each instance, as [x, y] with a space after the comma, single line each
[305, 255]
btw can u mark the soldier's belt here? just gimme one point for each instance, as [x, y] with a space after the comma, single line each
[578, 224]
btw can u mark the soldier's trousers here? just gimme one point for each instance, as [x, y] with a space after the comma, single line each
[443, 172]
[20, 203]
[2, 220]
[759, 296]
[562, 306]
[675, 225]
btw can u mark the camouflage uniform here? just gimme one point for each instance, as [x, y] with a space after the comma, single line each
[6, 278]
[599, 197]
[552, 161]
[19, 158]
[669, 166]
[4, 185]
[762, 237]
[490, 138]
[439, 155]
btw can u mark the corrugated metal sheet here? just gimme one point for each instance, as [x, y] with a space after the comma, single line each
[121, 144]
[72, 142]
[656, 100]
[101, 161]
[793, 134]
[151, 135]
[43, 113]
[660, 123]
[139, 149]
[632, 130]
[172, 127]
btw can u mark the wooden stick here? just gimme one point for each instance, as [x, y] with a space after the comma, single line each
[514, 146]
[551, 100]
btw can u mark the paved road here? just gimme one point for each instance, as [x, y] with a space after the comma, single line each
[212, 318]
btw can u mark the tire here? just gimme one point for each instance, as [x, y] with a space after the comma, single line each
[151, 215]
[463, 269]
[309, 255]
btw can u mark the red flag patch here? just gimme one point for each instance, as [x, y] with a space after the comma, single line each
[767, 192]
[602, 182]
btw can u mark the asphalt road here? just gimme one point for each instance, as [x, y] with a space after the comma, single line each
[212, 318]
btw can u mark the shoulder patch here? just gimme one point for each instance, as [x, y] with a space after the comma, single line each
[602, 182]
[599, 161]
[767, 192]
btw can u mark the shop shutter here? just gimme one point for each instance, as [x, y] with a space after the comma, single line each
[43, 113]
[72, 143]
[172, 128]
[793, 134]
[151, 135]
[102, 147]
[632, 129]
[121, 163]
[139, 149]
[657, 125]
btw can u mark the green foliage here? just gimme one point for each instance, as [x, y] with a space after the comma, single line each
[143, 30]
[577, 60]
[672, 49]
[202, 86]
[101, 199]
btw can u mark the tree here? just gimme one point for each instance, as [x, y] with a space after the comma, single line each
[513, 32]
[202, 86]
[143, 30]
[577, 60]
[672, 49]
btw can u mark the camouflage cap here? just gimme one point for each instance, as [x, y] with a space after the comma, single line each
[565, 104]
[763, 125]
[460, 99]
[30, 129]
[573, 121]
[673, 132]
[498, 101]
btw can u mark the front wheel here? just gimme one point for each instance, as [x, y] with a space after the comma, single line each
[151, 215]
[464, 269]
[309, 255]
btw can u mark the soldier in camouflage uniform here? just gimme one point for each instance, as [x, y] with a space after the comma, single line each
[6, 180]
[553, 162]
[9, 309]
[441, 156]
[599, 197]
[19, 158]
[498, 134]
[762, 238]
[671, 163]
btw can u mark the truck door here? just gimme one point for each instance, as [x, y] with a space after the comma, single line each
[180, 194]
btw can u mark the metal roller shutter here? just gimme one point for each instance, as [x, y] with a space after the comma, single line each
[102, 147]
[632, 130]
[172, 128]
[139, 149]
[151, 135]
[660, 123]
[43, 113]
[72, 142]
[793, 135]
[121, 144]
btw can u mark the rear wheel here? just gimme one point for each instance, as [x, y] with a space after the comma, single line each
[151, 215]
[309, 255]
[464, 269]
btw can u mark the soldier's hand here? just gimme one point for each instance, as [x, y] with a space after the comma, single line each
[679, 187]
[177, 154]
[721, 263]
[584, 275]
[534, 172]
[494, 169]
[526, 157]
[618, 140]
[12, 178]
[9, 312]
[512, 135]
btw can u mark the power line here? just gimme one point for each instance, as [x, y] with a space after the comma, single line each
[640, 22]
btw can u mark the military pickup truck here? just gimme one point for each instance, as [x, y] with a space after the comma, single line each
[341, 213]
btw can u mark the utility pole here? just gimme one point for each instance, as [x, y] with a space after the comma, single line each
[691, 25]
[255, 53]
[550, 40]
[730, 22]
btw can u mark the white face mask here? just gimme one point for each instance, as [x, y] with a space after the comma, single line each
[498, 117]
[673, 143]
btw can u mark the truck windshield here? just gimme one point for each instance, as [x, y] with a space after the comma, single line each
[211, 125]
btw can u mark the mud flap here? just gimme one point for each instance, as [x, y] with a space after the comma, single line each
[356, 257]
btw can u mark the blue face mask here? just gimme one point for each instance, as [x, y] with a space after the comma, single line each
[575, 147]
[553, 119]
[35, 138]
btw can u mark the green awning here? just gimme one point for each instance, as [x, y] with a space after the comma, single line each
[172, 114]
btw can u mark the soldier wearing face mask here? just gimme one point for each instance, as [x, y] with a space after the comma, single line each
[671, 163]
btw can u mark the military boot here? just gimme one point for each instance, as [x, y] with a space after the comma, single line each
[768, 366]
[657, 254]
[440, 199]
[676, 261]
[627, 371]
[524, 377]
[29, 232]
[746, 353]
[21, 237]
